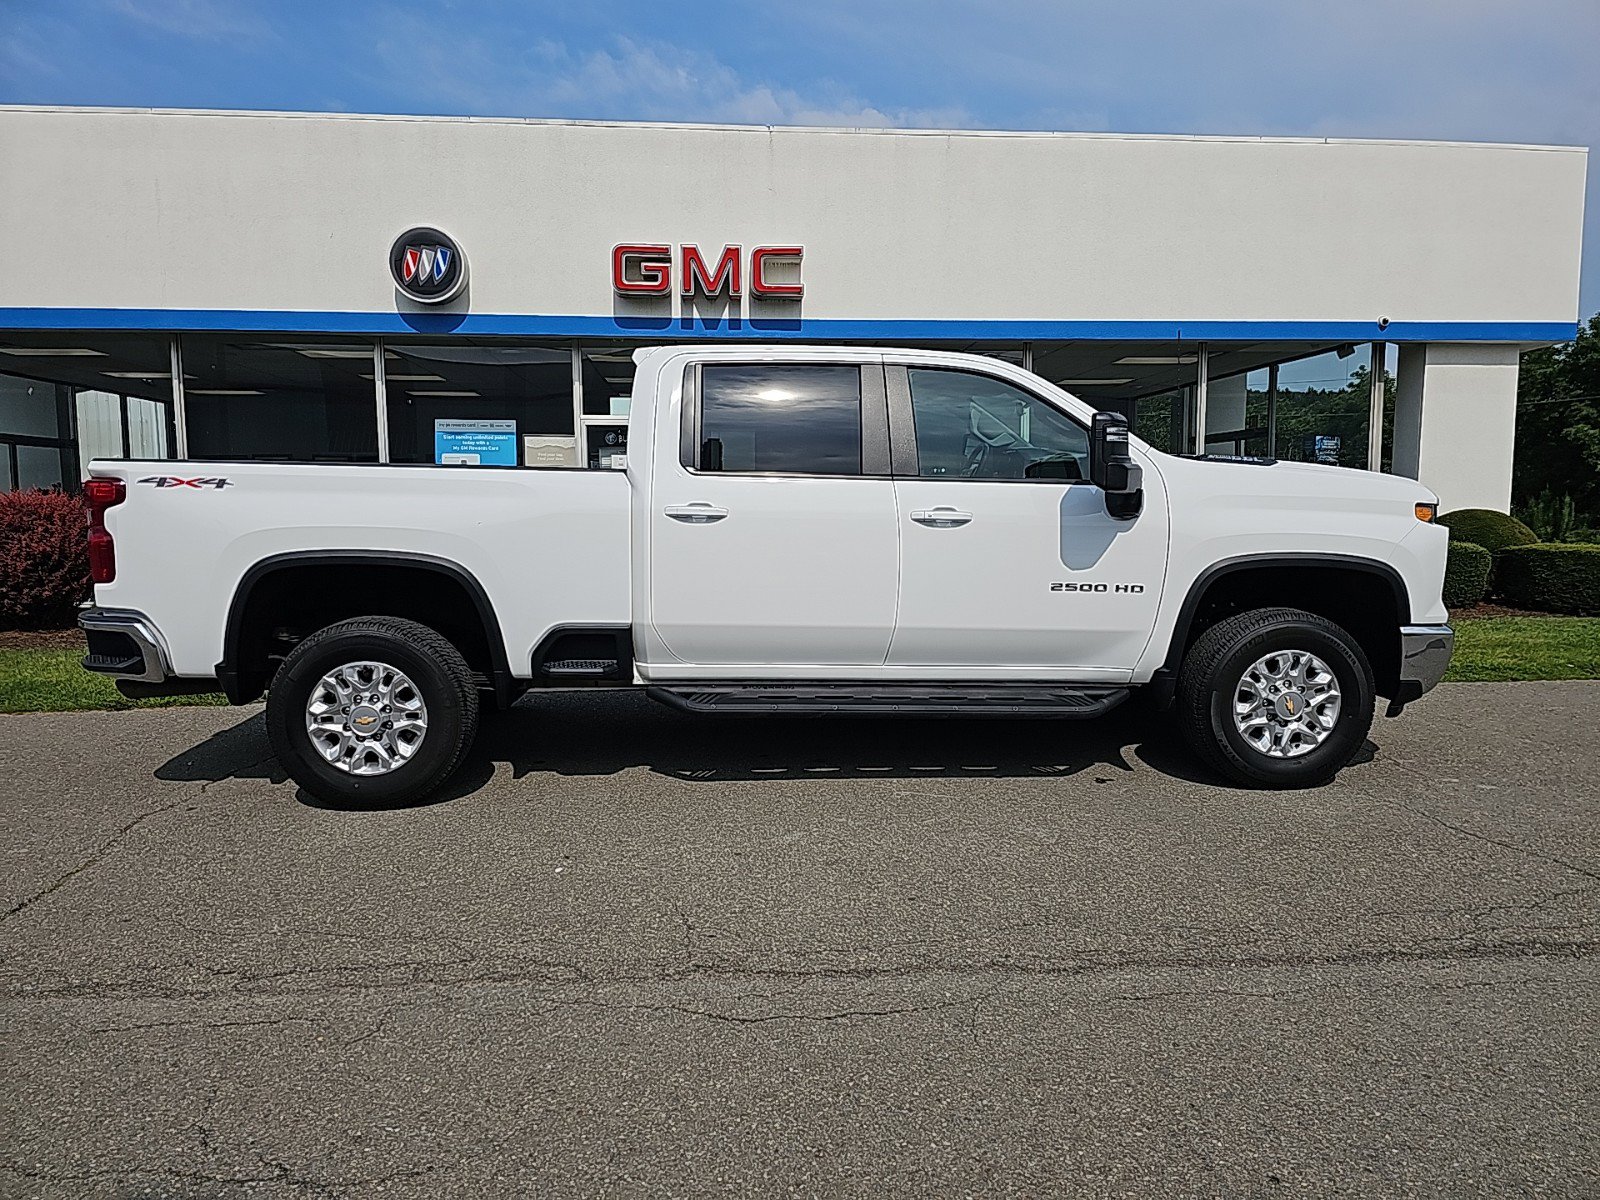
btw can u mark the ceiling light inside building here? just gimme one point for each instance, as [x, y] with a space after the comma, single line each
[1157, 360]
[1094, 382]
[52, 352]
[391, 377]
[415, 393]
[223, 392]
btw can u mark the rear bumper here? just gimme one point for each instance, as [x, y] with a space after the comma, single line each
[1424, 656]
[124, 644]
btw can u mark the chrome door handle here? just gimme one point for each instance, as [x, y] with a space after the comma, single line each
[942, 517]
[698, 513]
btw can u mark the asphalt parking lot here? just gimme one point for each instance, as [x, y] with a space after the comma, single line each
[636, 953]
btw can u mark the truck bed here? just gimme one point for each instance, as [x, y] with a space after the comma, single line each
[550, 545]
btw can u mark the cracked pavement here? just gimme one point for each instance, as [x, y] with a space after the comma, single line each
[630, 952]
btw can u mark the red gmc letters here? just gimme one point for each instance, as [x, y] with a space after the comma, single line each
[640, 269]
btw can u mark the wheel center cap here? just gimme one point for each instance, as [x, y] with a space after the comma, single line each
[1290, 706]
[365, 720]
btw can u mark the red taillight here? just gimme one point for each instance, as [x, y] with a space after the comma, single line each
[99, 495]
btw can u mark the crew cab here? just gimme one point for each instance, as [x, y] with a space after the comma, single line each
[798, 529]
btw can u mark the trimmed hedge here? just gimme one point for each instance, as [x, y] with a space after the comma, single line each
[1485, 527]
[1551, 577]
[1466, 575]
[44, 559]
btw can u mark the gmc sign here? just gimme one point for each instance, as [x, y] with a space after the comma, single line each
[645, 269]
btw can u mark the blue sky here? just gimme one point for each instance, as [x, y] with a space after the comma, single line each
[1491, 70]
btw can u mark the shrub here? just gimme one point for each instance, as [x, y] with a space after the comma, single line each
[44, 560]
[1494, 531]
[1553, 518]
[1552, 577]
[1466, 575]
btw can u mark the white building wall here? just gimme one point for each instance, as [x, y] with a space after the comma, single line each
[296, 213]
[1455, 422]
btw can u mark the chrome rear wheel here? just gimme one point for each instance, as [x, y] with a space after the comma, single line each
[366, 718]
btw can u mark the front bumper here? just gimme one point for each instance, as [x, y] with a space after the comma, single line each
[1424, 656]
[124, 644]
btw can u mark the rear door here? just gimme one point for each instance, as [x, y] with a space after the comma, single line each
[773, 535]
[1008, 557]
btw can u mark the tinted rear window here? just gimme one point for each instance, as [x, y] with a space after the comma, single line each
[792, 420]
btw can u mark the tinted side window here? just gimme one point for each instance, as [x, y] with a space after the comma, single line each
[796, 420]
[975, 427]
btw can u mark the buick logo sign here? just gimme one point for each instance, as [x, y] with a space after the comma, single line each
[427, 265]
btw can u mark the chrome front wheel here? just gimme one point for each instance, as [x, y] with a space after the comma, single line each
[366, 718]
[1276, 697]
[1287, 703]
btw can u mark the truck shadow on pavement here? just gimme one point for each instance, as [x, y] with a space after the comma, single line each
[600, 734]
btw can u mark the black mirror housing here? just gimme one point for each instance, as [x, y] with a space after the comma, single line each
[1111, 466]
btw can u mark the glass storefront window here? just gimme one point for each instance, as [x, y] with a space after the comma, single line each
[1159, 421]
[279, 400]
[608, 370]
[39, 467]
[28, 407]
[480, 404]
[132, 364]
[1324, 402]
[41, 376]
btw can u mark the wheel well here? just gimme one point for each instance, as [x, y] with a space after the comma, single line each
[279, 604]
[1367, 603]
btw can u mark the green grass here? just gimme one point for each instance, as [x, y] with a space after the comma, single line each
[1487, 648]
[1500, 648]
[53, 681]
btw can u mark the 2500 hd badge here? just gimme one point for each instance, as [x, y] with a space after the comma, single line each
[1097, 587]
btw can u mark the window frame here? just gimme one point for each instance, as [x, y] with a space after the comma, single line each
[903, 423]
[875, 452]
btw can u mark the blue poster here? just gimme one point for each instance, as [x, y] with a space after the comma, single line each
[475, 443]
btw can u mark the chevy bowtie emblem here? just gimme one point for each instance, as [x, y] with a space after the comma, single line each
[427, 265]
[365, 720]
[1288, 702]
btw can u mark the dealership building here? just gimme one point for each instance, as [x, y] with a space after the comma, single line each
[470, 292]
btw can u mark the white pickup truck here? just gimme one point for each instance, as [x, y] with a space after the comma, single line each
[804, 530]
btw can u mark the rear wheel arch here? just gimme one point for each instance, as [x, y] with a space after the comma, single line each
[1364, 596]
[302, 591]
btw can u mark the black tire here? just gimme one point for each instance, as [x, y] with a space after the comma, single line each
[1210, 678]
[439, 674]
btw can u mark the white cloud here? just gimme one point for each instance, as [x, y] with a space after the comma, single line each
[204, 20]
[631, 80]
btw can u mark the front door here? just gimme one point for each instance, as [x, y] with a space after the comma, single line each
[773, 538]
[1008, 557]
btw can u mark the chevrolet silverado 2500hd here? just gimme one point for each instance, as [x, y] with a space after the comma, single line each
[805, 530]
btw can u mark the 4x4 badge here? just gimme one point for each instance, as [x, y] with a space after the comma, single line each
[170, 481]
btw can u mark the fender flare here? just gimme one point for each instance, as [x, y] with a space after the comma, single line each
[228, 669]
[1165, 677]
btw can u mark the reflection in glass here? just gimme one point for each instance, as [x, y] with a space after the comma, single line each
[797, 420]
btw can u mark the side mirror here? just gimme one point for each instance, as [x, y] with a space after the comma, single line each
[1111, 466]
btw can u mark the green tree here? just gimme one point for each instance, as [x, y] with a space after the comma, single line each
[1558, 425]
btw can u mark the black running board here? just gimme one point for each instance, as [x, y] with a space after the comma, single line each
[894, 699]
